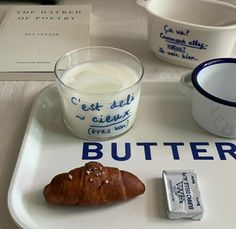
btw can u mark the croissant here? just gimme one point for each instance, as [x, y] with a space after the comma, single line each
[93, 184]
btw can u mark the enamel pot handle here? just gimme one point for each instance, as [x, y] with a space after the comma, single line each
[142, 3]
[185, 85]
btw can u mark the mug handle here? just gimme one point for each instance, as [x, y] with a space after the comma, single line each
[185, 84]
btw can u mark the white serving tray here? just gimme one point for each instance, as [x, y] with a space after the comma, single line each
[164, 116]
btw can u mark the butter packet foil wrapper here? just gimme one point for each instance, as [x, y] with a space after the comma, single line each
[183, 195]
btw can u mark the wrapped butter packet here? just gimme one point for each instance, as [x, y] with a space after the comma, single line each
[183, 194]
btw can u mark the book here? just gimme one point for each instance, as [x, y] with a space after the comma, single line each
[33, 38]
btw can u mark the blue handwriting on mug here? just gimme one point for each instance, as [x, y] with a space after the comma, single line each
[178, 43]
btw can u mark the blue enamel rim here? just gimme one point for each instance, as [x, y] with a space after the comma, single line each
[205, 64]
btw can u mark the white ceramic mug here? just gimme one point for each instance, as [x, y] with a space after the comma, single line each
[189, 32]
[212, 86]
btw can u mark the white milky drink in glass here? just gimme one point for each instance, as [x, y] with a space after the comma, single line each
[99, 89]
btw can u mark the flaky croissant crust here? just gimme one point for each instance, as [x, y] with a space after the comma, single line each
[93, 184]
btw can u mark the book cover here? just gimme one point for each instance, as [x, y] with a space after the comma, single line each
[32, 38]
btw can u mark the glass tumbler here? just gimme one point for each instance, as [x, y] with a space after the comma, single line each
[99, 89]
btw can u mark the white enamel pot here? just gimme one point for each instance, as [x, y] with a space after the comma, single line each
[212, 88]
[189, 32]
